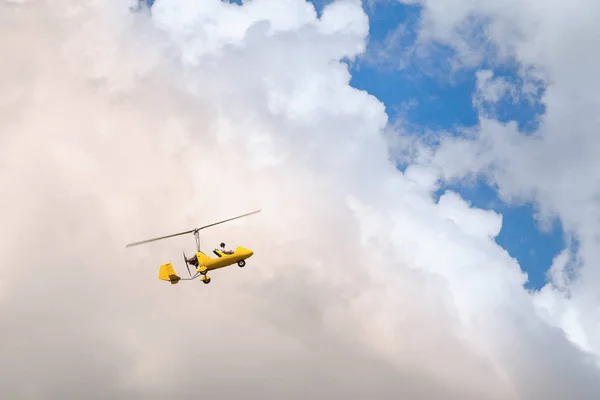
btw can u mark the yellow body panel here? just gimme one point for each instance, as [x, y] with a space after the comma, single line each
[166, 272]
[223, 260]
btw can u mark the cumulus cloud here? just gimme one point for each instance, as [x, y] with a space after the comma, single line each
[120, 126]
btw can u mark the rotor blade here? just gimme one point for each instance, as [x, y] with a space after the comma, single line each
[192, 230]
[230, 219]
[186, 263]
[160, 238]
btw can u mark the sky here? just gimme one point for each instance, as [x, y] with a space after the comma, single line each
[426, 171]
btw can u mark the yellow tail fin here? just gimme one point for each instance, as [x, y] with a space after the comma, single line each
[166, 272]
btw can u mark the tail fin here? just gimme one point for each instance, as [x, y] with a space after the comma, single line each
[166, 272]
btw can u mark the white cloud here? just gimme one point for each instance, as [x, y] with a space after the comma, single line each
[115, 130]
[490, 91]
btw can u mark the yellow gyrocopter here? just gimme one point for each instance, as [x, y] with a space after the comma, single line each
[201, 261]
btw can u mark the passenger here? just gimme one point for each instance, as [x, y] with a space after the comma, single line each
[224, 251]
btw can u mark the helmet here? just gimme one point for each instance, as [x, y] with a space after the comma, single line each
[223, 245]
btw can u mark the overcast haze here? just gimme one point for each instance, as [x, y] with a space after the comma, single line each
[117, 127]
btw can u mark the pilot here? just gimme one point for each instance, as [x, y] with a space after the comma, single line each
[225, 251]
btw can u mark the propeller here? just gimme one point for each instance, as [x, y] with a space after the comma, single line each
[186, 263]
[191, 230]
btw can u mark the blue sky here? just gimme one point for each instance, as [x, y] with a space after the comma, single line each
[432, 100]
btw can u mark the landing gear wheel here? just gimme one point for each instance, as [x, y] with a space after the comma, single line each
[241, 263]
[206, 281]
